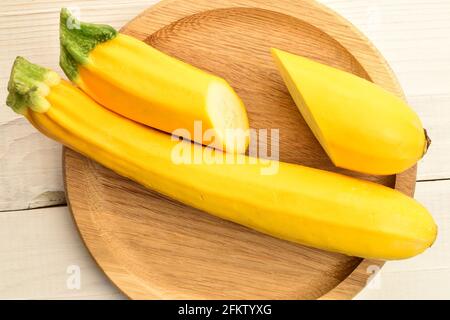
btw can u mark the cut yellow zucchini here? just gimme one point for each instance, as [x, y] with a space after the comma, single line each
[150, 87]
[361, 126]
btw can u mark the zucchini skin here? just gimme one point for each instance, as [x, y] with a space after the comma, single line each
[308, 206]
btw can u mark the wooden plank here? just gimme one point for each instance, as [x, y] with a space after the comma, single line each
[30, 173]
[30, 164]
[40, 253]
[434, 112]
[403, 285]
[414, 36]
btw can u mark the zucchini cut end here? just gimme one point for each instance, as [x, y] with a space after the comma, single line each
[228, 117]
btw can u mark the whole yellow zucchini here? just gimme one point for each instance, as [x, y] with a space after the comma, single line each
[361, 126]
[150, 87]
[300, 204]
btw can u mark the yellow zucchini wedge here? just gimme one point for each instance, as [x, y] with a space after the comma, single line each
[361, 126]
[146, 85]
[308, 206]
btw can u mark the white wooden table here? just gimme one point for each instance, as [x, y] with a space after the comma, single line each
[40, 250]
